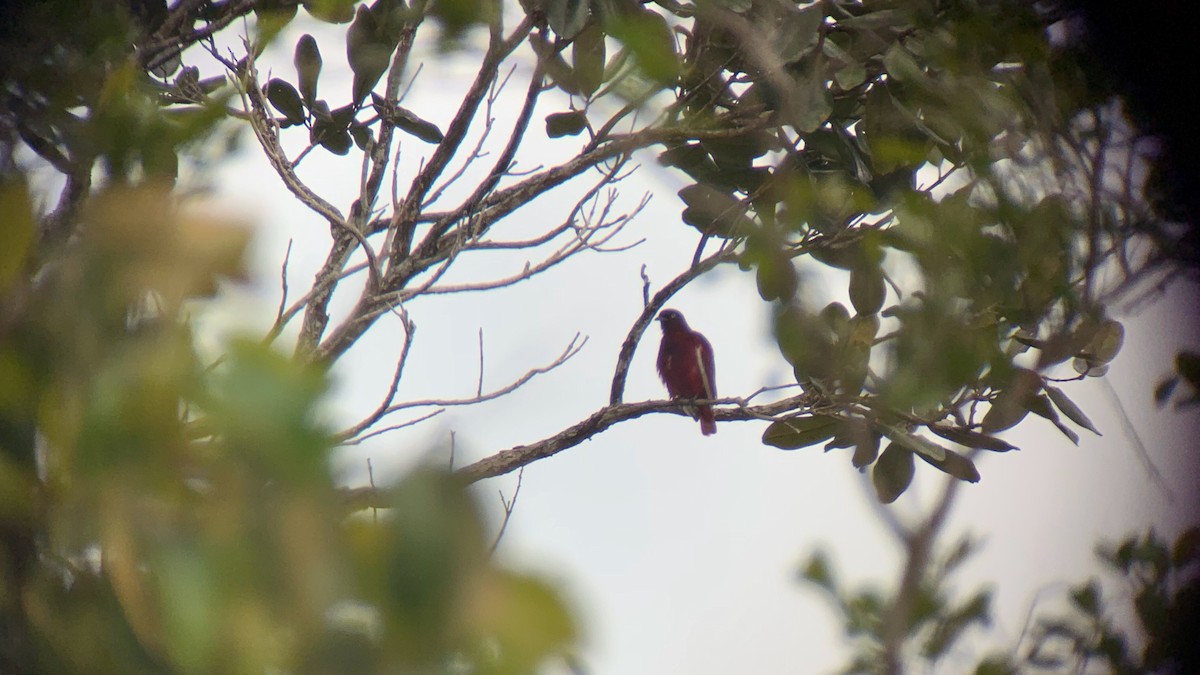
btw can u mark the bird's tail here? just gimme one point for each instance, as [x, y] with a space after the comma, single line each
[708, 424]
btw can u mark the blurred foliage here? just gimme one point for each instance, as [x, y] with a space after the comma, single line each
[935, 627]
[1160, 590]
[163, 515]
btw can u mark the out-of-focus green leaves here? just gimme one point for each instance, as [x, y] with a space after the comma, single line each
[17, 234]
[867, 287]
[651, 40]
[196, 504]
[1187, 369]
[330, 11]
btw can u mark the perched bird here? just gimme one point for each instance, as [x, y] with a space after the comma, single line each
[685, 364]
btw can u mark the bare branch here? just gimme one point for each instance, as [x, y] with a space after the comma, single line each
[523, 455]
[410, 330]
[572, 349]
[508, 505]
[409, 423]
[283, 282]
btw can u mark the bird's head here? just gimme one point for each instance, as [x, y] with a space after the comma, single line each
[671, 319]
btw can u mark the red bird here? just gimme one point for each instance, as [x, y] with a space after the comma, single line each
[685, 364]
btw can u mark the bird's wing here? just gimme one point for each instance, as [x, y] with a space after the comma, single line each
[708, 370]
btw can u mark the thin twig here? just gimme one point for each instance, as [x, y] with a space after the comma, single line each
[479, 385]
[508, 506]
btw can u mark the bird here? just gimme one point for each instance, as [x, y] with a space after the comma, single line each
[685, 365]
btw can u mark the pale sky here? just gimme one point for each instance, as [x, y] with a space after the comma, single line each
[678, 552]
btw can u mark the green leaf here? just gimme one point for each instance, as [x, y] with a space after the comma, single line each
[284, 98]
[866, 450]
[714, 211]
[1068, 408]
[17, 233]
[407, 121]
[337, 141]
[797, 32]
[652, 42]
[1012, 403]
[1187, 364]
[569, 123]
[955, 465]
[800, 432]
[587, 56]
[307, 60]
[1086, 597]
[1107, 342]
[892, 473]
[867, 287]
[361, 134]
[692, 159]
[972, 439]
[367, 55]
[529, 621]
[1089, 367]
[1187, 548]
[1040, 405]
[567, 17]
[330, 11]
[918, 444]
[1162, 393]
[818, 572]
[812, 103]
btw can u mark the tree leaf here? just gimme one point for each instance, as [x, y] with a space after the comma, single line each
[284, 98]
[307, 59]
[1068, 408]
[330, 11]
[972, 439]
[918, 444]
[1187, 364]
[567, 17]
[652, 42]
[893, 472]
[1012, 403]
[569, 123]
[1162, 393]
[714, 211]
[17, 234]
[800, 432]
[367, 55]
[867, 287]
[1187, 547]
[866, 450]
[407, 121]
[587, 57]
[692, 159]
[955, 465]
[1107, 342]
